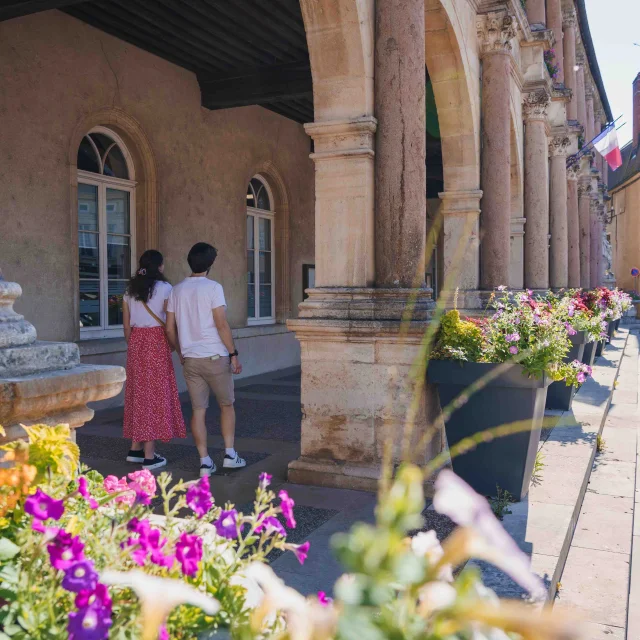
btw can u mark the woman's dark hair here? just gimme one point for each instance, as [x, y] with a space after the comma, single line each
[201, 257]
[141, 285]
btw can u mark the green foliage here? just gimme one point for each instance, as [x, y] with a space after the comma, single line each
[500, 503]
[538, 467]
[601, 444]
[458, 339]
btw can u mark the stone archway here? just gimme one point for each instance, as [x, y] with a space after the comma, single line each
[457, 102]
[132, 134]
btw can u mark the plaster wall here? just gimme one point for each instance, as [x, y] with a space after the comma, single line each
[625, 231]
[55, 71]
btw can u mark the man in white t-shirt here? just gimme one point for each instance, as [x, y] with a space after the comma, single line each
[197, 328]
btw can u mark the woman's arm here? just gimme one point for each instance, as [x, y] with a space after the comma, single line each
[126, 320]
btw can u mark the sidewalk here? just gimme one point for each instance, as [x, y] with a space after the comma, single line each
[601, 579]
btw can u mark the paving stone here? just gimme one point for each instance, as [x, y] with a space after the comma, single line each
[593, 631]
[633, 621]
[624, 411]
[594, 501]
[620, 444]
[562, 480]
[614, 479]
[623, 396]
[604, 529]
[622, 422]
[594, 585]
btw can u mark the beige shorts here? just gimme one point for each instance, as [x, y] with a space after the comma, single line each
[202, 374]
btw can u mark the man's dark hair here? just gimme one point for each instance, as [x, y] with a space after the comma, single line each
[201, 257]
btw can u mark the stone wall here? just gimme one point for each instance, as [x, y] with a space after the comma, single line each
[625, 231]
[56, 72]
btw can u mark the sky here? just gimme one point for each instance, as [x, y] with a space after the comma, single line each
[615, 26]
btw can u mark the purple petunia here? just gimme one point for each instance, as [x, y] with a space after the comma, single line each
[227, 524]
[270, 524]
[301, 551]
[84, 492]
[570, 330]
[287, 504]
[323, 599]
[163, 634]
[65, 550]
[581, 376]
[80, 576]
[512, 337]
[89, 623]
[42, 506]
[513, 350]
[265, 480]
[99, 597]
[189, 553]
[199, 498]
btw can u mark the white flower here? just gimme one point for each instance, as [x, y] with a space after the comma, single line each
[427, 544]
[457, 500]
[159, 597]
[435, 596]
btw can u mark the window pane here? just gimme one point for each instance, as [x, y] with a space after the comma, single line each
[87, 207]
[312, 277]
[251, 200]
[251, 276]
[118, 257]
[263, 199]
[250, 233]
[89, 303]
[264, 234]
[89, 255]
[265, 267]
[116, 291]
[102, 142]
[265, 301]
[87, 159]
[115, 165]
[118, 211]
[251, 301]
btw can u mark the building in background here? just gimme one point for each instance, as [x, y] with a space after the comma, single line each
[623, 230]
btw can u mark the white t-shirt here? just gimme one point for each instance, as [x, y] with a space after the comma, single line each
[139, 316]
[193, 301]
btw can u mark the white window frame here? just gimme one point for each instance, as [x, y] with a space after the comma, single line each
[103, 183]
[271, 216]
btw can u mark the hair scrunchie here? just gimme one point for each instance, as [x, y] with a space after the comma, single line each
[142, 272]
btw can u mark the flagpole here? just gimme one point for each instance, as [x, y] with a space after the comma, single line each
[585, 147]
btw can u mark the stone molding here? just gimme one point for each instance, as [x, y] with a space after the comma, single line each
[569, 18]
[342, 138]
[559, 145]
[584, 188]
[517, 227]
[535, 105]
[580, 58]
[495, 31]
[460, 203]
[588, 92]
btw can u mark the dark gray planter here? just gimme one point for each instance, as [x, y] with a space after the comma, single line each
[559, 395]
[616, 324]
[589, 354]
[506, 461]
[602, 343]
[611, 329]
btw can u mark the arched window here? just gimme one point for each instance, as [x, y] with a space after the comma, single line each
[106, 231]
[260, 253]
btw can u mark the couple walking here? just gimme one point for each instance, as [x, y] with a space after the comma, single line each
[191, 319]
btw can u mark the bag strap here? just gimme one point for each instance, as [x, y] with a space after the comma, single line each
[154, 316]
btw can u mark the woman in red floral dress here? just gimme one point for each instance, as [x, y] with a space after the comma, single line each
[151, 404]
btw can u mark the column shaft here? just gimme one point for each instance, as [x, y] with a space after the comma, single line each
[573, 229]
[596, 248]
[400, 143]
[536, 12]
[584, 206]
[590, 132]
[569, 51]
[536, 194]
[581, 104]
[559, 253]
[554, 21]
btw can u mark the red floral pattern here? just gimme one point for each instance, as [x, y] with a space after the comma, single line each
[151, 405]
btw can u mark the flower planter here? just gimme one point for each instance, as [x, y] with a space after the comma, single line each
[559, 395]
[589, 354]
[617, 324]
[505, 461]
[602, 343]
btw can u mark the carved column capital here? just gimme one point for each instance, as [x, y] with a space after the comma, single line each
[535, 105]
[569, 18]
[573, 172]
[559, 146]
[599, 115]
[580, 58]
[588, 92]
[495, 31]
[584, 188]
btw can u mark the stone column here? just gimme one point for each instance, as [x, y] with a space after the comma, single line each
[580, 94]
[495, 31]
[569, 51]
[573, 226]
[554, 22]
[584, 210]
[536, 12]
[590, 126]
[595, 241]
[559, 253]
[401, 175]
[536, 194]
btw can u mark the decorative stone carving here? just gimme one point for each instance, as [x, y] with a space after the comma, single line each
[580, 58]
[559, 145]
[569, 18]
[536, 104]
[573, 171]
[495, 31]
[607, 254]
[584, 189]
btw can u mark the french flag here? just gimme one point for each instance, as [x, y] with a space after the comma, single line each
[607, 145]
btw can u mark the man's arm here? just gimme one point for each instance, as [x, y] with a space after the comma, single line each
[224, 331]
[172, 334]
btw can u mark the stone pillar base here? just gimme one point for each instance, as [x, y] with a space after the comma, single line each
[359, 385]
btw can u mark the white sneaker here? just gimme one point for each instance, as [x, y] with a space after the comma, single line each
[234, 463]
[207, 470]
